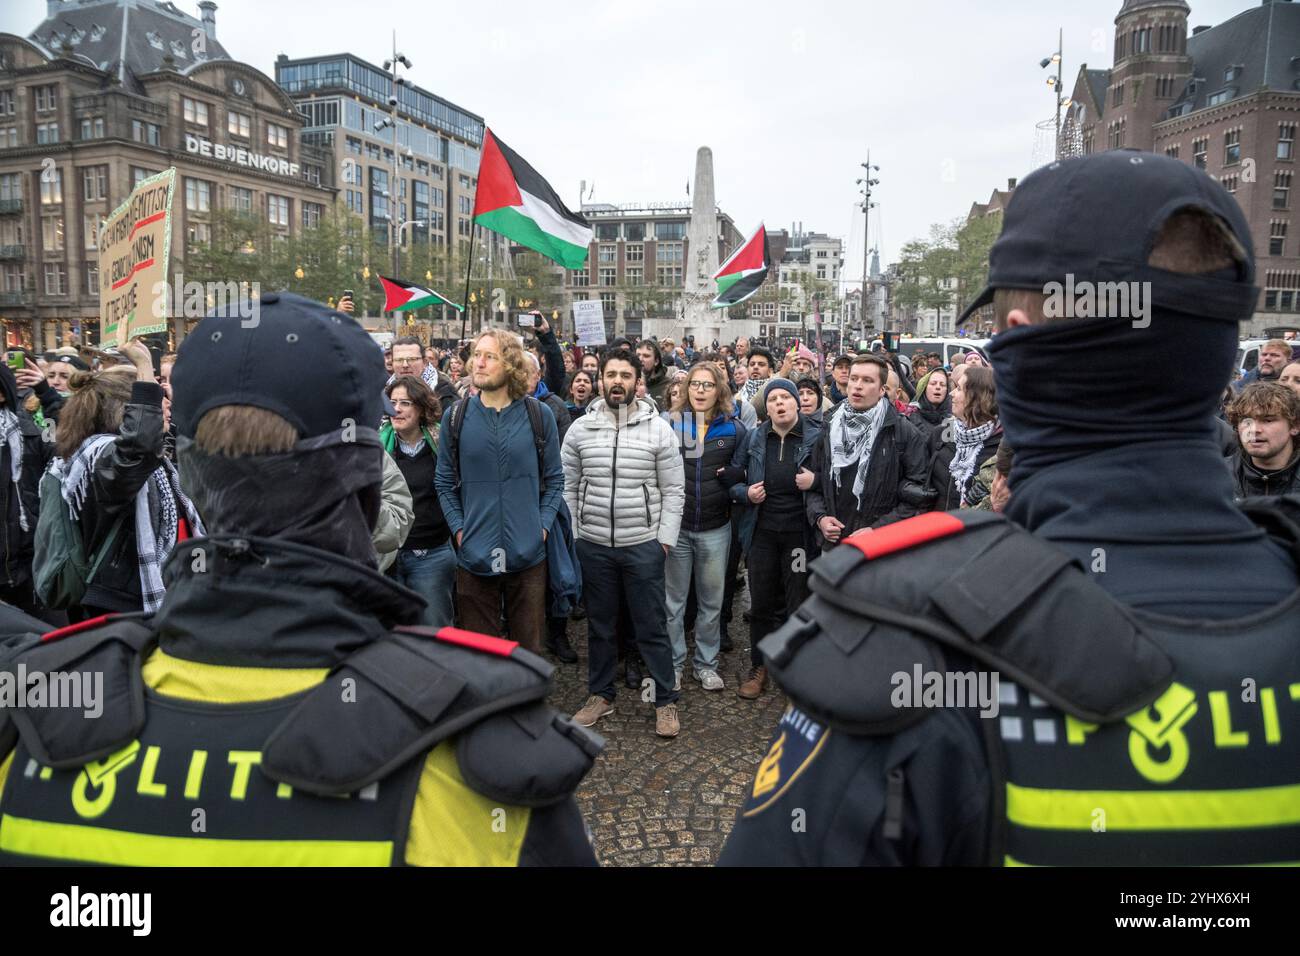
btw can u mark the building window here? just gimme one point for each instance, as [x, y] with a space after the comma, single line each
[277, 136]
[277, 210]
[670, 275]
[1200, 149]
[607, 231]
[580, 278]
[464, 205]
[1171, 152]
[94, 183]
[241, 199]
[6, 102]
[668, 252]
[47, 133]
[92, 278]
[1229, 183]
[353, 145]
[56, 278]
[198, 195]
[47, 98]
[1220, 96]
[139, 175]
[195, 112]
[670, 230]
[821, 272]
[91, 223]
[1286, 141]
[238, 124]
[199, 234]
[1277, 239]
[634, 276]
[1282, 190]
[1142, 40]
[312, 173]
[634, 252]
[52, 233]
[609, 304]
[52, 187]
[609, 276]
[634, 231]
[92, 127]
[1117, 96]
[11, 187]
[8, 137]
[15, 279]
[1231, 73]
[608, 254]
[311, 213]
[149, 133]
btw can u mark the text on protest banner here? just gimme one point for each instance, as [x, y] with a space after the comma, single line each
[134, 248]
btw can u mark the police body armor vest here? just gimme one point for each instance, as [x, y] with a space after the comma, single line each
[1121, 738]
[327, 776]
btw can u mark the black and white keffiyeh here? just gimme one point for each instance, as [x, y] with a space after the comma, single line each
[968, 441]
[752, 387]
[853, 434]
[11, 435]
[158, 506]
[429, 375]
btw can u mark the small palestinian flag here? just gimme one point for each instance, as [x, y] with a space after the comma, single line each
[743, 272]
[400, 296]
[514, 200]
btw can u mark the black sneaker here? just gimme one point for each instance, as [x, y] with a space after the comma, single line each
[562, 649]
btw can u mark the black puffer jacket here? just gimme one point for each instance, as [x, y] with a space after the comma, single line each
[708, 504]
[119, 474]
[939, 477]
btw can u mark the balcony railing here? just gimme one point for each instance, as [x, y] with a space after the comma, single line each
[11, 299]
[13, 252]
[9, 206]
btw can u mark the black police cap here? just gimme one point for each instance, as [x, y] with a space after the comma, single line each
[1097, 217]
[313, 366]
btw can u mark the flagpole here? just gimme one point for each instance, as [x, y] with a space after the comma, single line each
[464, 316]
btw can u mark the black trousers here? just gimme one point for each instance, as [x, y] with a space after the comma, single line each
[778, 583]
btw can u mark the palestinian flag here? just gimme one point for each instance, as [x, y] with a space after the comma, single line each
[743, 272]
[400, 296]
[514, 200]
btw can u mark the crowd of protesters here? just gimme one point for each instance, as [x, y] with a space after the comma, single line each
[527, 483]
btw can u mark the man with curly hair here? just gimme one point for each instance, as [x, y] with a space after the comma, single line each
[1266, 417]
[498, 512]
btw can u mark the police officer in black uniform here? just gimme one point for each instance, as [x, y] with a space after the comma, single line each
[1143, 630]
[278, 709]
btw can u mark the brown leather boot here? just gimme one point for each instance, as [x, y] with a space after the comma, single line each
[752, 687]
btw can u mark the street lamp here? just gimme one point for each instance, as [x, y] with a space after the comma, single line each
[866, 182]
[1055, 84]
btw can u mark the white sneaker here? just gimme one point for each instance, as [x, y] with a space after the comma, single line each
[709, 678]
[677, 678]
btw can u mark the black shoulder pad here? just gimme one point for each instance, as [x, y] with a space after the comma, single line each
[1000, 595]
[529, 756]
[392, 701]
[106, 660]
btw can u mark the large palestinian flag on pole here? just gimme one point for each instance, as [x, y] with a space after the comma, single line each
[400, 295]
[514, 200]
[743, 272]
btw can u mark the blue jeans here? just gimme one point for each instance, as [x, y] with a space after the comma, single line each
[432, 575]
[703, 553]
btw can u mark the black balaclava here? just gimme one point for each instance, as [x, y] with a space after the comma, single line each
[325, 493]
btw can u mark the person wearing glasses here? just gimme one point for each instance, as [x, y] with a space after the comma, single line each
[426, 562]
[409, 359]
[708, 433]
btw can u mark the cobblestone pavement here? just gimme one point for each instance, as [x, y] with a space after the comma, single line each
[655, 802]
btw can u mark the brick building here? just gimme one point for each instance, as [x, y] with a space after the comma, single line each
[1226, 98]
[104, 93]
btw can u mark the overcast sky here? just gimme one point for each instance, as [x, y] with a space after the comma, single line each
[789, 95]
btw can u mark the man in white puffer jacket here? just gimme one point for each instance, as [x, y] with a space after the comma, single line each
[625, 488]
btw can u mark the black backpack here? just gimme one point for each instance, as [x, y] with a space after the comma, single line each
[455, 419]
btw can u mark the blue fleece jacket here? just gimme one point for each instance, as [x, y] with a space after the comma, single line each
[499, 504]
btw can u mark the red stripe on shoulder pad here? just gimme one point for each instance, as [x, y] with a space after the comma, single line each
[479, 642]
[78, 627]
[905, 534]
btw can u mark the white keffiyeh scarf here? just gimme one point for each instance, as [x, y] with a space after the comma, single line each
[11, 435]
[969, 441]
[157, 511]
[853, 434]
